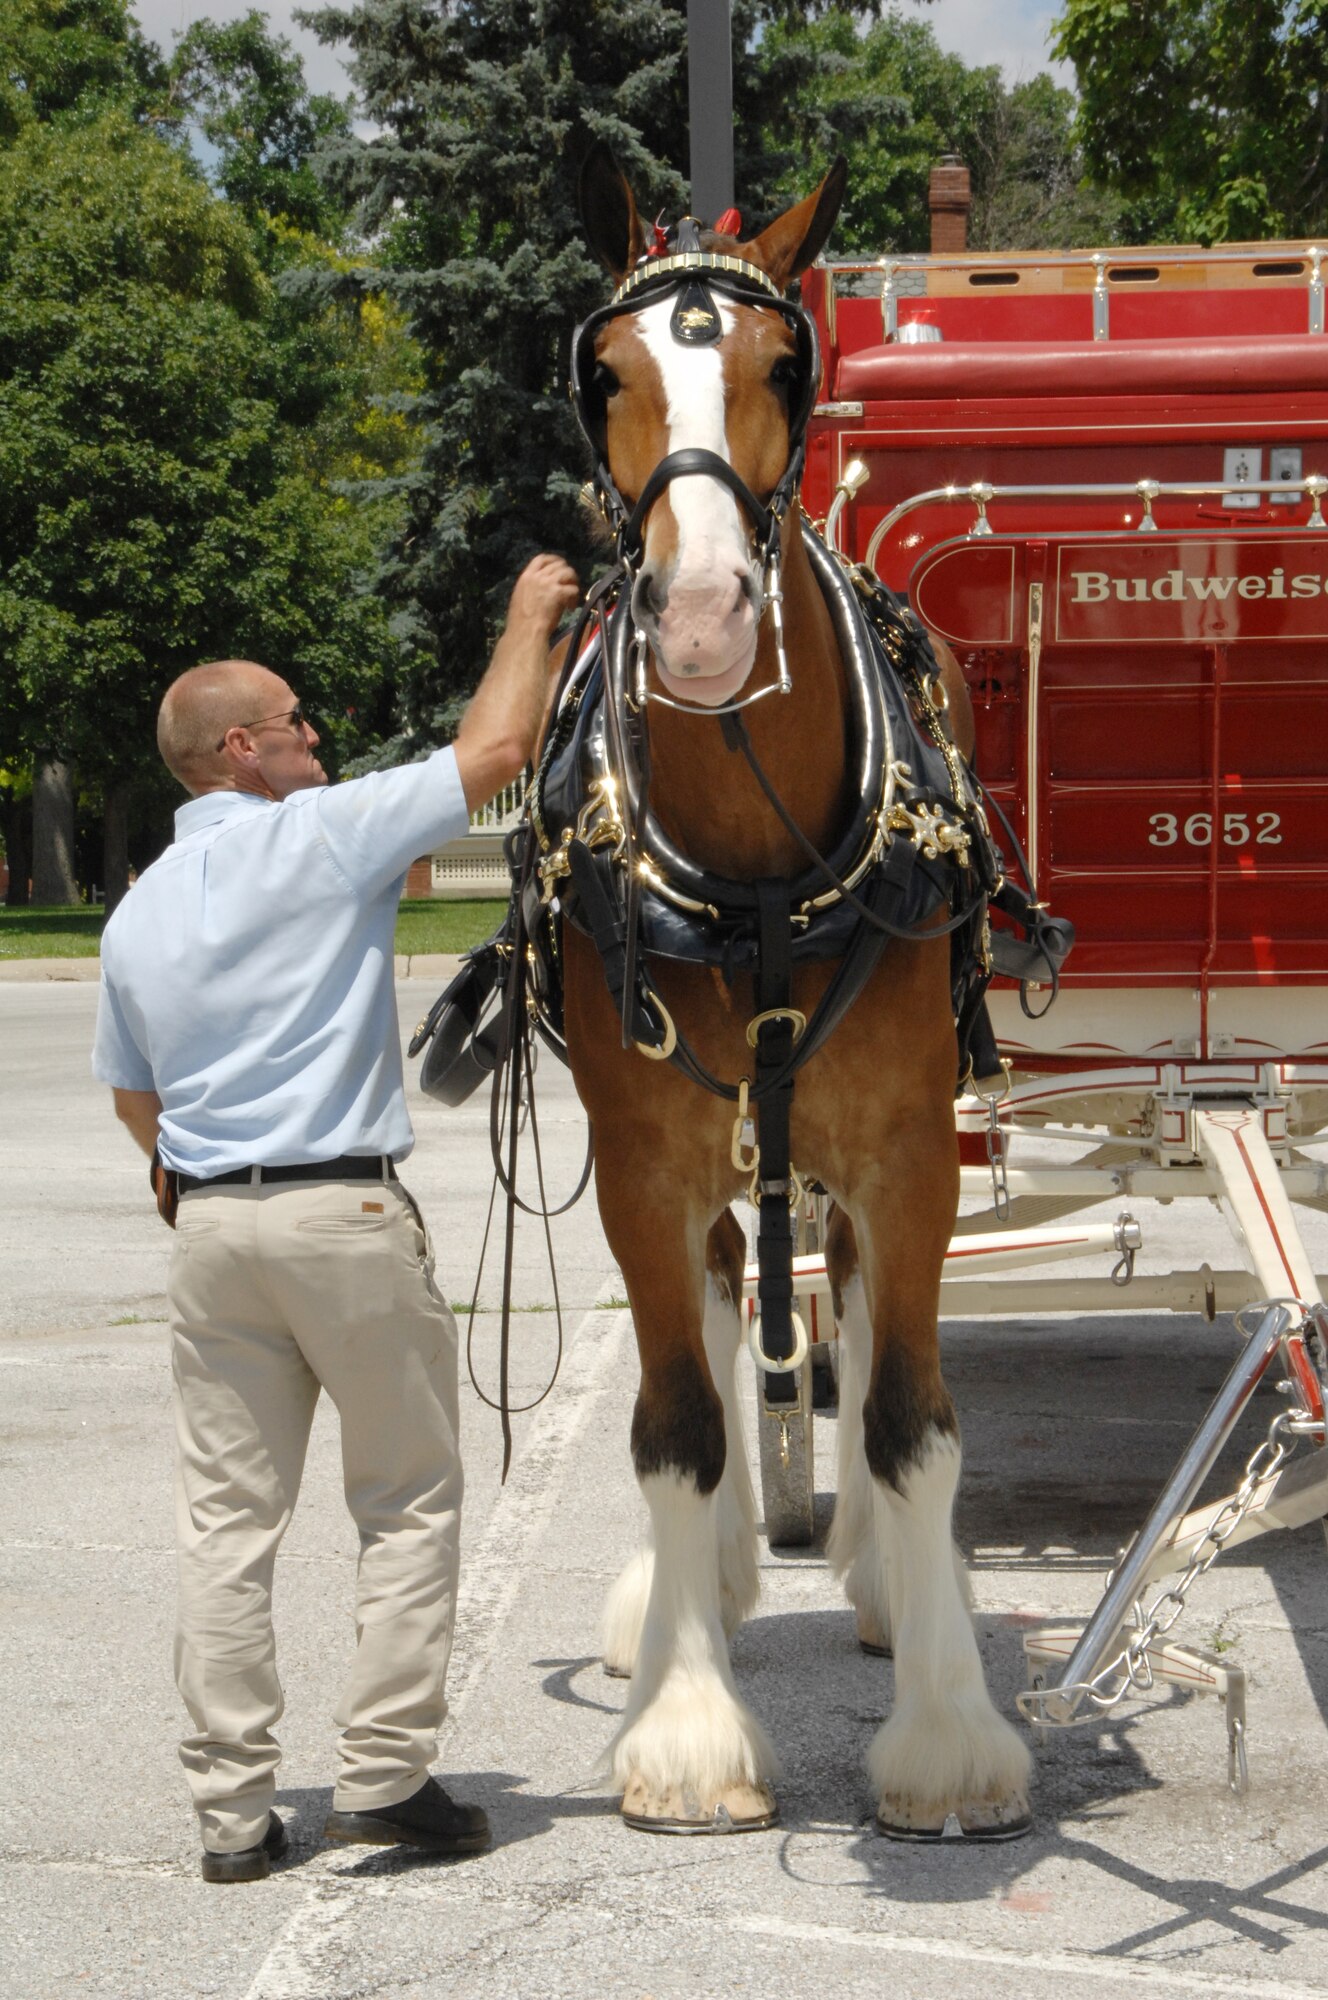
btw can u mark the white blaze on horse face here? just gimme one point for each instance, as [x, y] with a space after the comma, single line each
[699, 606]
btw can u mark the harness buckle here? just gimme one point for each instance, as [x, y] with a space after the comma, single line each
[757, 1022]
[794, 1187]
[771, 1365]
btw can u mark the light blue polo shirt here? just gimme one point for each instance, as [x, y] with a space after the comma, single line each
[247, 975]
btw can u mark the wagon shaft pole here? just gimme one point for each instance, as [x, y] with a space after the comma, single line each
[1230, 1139]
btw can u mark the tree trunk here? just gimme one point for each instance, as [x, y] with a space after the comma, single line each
[115, 845]
[53, 833]
[18, 851]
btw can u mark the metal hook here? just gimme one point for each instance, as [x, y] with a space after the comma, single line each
[1129, 1240]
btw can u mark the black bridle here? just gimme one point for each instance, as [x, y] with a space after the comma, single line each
[693, 276]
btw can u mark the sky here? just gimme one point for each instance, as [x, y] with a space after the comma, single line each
[1012, 33]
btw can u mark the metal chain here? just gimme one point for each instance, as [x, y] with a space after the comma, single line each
[997, 1151]
[1132, 1664]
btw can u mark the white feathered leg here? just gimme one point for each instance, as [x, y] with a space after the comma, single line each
[945, 1750]
[624, 1613]
[739, 1576]
[853, 1550]
[689, 1752]
[735, 1502]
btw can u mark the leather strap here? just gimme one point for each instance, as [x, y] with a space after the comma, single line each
[773, 1109]
[689, 462]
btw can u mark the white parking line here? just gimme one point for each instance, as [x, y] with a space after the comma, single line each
[1070, 1965]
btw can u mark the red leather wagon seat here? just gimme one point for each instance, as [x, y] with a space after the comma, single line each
[962, 370]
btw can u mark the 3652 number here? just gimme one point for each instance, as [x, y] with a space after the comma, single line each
[1197, 830]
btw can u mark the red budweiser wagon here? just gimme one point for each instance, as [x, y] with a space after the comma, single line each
[1100, 478]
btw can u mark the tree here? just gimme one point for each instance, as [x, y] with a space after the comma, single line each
[484, 110]
[153, 506]
[1210, 117]
[179, 415]
[62, 56]
[893, 101]
[1031, 189]
[468, 194]
[246, 90]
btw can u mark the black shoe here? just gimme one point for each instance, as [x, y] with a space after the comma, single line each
[248, 1864]
[428, 1818]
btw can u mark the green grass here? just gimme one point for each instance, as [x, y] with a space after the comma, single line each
[50, 933]
[428, 926]
[76, 933]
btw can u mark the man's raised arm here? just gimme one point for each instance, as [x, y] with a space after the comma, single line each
[499, 729]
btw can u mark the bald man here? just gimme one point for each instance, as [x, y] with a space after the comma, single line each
[247, 1028]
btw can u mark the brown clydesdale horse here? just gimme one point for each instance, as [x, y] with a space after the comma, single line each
[872, 1119]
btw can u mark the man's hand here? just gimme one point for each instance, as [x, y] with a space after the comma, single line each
[498, 730]
[546, 587]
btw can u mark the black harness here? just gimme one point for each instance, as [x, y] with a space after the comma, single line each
[918, 850]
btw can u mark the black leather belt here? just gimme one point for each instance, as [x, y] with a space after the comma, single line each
[350, 1167]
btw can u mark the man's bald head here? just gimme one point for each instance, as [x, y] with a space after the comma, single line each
[202, 705]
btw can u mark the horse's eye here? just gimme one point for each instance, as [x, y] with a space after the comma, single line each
[606, 382]
[784, 373]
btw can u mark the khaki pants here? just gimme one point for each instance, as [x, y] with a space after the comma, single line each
[276, 1292]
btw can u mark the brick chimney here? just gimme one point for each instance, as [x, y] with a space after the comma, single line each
[950, 198]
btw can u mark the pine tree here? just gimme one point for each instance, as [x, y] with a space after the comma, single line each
[485, 110]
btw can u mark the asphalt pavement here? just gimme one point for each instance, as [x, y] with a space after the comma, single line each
[1142, 1865]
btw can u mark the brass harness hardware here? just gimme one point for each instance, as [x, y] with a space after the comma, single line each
[930, 831]
[758, 1021]
[670, 1041]
[598, 824]
[746, 1162]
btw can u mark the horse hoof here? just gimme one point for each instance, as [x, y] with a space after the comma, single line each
[616, 1673]
[737, 1809]
[984, 1819]
[872, 1641]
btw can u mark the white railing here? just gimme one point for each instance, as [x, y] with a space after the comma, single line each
[473, 864]
[502, 811]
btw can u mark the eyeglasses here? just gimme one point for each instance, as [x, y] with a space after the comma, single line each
[295, 716]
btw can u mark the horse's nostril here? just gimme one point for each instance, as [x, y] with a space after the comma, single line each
[653, 594]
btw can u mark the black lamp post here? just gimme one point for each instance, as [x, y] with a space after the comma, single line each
[710, 105]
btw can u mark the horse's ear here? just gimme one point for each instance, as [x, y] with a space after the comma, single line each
[608, 210]
[794, 239]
